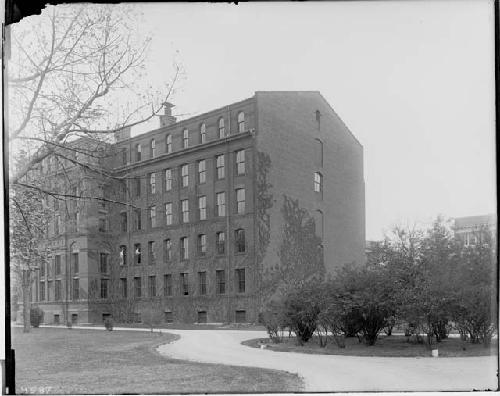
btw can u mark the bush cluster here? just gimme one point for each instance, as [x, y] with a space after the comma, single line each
[428, 282]
[36, 316]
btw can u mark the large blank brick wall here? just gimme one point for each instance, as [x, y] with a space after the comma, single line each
[287, 132]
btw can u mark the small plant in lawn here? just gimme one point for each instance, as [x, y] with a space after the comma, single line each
[108, 324]
[36, 316]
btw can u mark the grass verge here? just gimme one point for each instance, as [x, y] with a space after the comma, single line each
[393, 346]
[63, 361]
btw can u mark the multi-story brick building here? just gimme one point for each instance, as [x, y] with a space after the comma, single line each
[193, 212]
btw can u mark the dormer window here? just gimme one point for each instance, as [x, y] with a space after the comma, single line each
[138, 152]
[241, 122]
[222, 129]
[203, 133]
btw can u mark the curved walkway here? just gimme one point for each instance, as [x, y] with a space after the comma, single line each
[335, 372]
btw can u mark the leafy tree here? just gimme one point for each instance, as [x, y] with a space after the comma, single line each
[475, 307]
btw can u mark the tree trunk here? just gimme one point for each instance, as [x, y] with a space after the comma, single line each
[26, 302]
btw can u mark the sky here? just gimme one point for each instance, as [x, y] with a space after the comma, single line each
[413, 81]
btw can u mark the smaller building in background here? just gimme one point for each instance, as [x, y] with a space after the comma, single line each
[469, 229]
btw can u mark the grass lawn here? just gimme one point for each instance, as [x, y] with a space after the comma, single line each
[75, 361]
[394, 346]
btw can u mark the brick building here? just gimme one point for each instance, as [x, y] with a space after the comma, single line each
[193, 212]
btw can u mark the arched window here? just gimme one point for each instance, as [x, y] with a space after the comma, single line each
[318, 182]
[241, 122]
[168, 144]
[185, 138]
[138, 152]
[203, 133]
[318, 152]
[222, 129]
[153, 148]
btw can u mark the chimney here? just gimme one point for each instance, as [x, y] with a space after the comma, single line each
[167, 118]
[122, 134]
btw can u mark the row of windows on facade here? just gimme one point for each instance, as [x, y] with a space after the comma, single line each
[167, 289]
[54, 267]
[168, 177]
[202, 248]
[184, 212]
[186, 142]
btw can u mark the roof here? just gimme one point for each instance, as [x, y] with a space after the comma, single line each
[475, 221]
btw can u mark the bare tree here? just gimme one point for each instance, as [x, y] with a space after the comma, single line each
[74, 72]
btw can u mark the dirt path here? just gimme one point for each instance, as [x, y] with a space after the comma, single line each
[337, 373]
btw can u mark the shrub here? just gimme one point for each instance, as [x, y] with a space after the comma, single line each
[36, 316]
[301, 312]
[108, 324]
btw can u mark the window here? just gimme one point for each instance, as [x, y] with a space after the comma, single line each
[219, 163]
[202, 207]
[152, 252]
[58, 290]
[153, 148]
[137, 287]
[318, 119]
[239, 237]
[202, 283]
[240, 162]
[202, 174]
[42, 291]
[240, 200]
[57, 224]
[138, 218]
[104, 288]
[124, 157]
[241, 316]
[42, 269]
[167, 284]
[220, 276]
[203, 133]
[123, 287]
[74, 263]
[185, 138]
[152, 183]
[168, 213]
[241, 122]
[123, 222]
[184, 283]
[103, 263]
[57, 264]
[102, 225]
[221, 204]
[152, 216]
[137, 253]
[77, 221]
[152, 286]
[57, 319]
[169, 317]
[167, 250]
[138, 152]
[202, 244]
[185, 210]
[222, 129]
[202, 316]
[76, 289]
[168, 179]
[168, 144]
[220, 242]
[240, 280]
[184, 248]
[318, 182]
[137, 186]
[185, 175]
[123, 255]
[50, 291]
